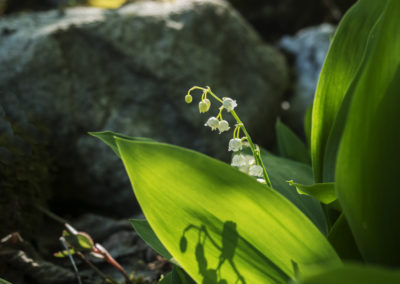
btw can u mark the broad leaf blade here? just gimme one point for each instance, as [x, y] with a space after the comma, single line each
[351, 274]
[341, 65]
[280, 170]
[144, 230]
[369, 155]
[290, 146]
[218, 210]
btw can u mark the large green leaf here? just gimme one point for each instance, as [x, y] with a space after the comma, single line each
[290, 146]
[341, 65]
[144, 230]
[280, 170]
[369, 155]
[352, 274]
[231, 225]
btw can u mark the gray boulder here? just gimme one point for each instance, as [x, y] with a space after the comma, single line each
[127, 70]
[308, 48]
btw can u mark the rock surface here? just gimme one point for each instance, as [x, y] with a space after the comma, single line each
[127, 70]
[308, 48]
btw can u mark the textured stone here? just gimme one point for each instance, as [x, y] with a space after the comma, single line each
[127, 70]
[308, 48]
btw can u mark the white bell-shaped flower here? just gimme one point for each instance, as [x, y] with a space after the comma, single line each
[229, 104]
[256, 171]
[223, 125]
[239, 161]
[212, 122]
[204, 105]
[235, 144]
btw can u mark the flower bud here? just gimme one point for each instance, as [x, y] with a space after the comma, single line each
[235, 144]
[188, 99]
[212, 122]
[256, 171]
[223, 126]
[204, 105]
[229, 104]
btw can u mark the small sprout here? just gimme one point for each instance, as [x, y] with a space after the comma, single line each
[256, 171]
[223, 125]
[235, 144]
[204, 105]
[188, 98]
[212, 122]
[229, 104]
[239, 161]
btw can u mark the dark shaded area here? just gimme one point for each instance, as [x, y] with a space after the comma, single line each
[271, 18]
[274, 18]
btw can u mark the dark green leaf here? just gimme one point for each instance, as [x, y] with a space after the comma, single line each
[142, 227]
[343, 241]
[352, 274]
[180, 277]
[2, 281]
[308, 125]
[290, 146]
[166, 279]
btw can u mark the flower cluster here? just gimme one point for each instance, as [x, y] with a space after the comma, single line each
[245, 163]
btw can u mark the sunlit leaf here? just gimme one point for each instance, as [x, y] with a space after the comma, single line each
[236, 228]
[369, 155]
[341, 65]
[280, 170]
[324, 192]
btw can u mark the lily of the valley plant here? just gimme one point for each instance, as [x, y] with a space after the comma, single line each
[323, 213]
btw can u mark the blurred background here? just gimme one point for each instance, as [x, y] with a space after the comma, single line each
[70, 67]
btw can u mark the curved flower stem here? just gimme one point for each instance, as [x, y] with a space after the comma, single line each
[256, 153]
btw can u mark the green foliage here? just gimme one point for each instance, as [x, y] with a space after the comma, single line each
[351, 274]
[222, 226]
[324, 192]
[341, 65]
[2, 281]
[144, 230]
[289, 145]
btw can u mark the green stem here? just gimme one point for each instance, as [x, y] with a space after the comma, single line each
[256, 153]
